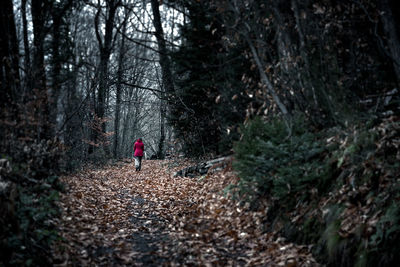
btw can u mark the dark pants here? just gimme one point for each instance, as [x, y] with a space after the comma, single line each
[140, 162]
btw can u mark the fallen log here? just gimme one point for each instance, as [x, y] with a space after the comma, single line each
[203, 168]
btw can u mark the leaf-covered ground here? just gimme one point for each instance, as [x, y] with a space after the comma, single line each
[116, 216]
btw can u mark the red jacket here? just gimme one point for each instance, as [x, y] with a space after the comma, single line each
[138, 148]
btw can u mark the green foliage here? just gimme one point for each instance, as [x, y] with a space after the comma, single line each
[31, 244]
[359, 166]
[29, 230]
[270, 162]
[330, 235]
[332, 238]
[362, 259]
[207, 77]
[383, 244]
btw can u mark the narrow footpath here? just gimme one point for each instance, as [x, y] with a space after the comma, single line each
[116, 216]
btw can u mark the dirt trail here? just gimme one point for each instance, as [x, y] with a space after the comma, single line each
[119, 217]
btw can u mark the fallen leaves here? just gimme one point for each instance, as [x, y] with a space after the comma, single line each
[116, 216]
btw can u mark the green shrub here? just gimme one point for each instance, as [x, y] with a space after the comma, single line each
[383, 244]
[29, 231]
[358, 166]
[270, 162]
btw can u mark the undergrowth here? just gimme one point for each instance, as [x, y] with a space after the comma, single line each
[29, 191]
[271, 163]
[29, 230]
[343, 183]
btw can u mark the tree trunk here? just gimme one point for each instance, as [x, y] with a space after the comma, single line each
[134, 121]
[56, 69]
[58, 12]
[105, 48]
[160, 152]
[167, 79]
[391, 33]
[293, 76]
[27, 56]
[126, 125]
[265, 79]
[39, 14]
[117, 120]
[73, 134]
[162, 48]
[9, 59]
[303, 53]
[261, 66]
[9, 74]
[39, 35]
[120, 73]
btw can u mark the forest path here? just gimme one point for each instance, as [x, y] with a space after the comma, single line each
[116, 216]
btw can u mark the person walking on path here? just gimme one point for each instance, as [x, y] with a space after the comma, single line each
[138, 149]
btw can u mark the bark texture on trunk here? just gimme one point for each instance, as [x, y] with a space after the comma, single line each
[264, 78]
[39, 94]
[167, 79]
[120, 73]
[9, 59]
[393, 40]
[105, 47]
[162, 48]
[27, 56]
[161, 143]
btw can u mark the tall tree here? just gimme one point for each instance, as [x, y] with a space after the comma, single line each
[208, 84]
[9, 75]
[59, 54]
[167, 79]
[118, 92]
[40, 18]
[392, 33]
[9, 56]
[105, 47]
[161, 140]
[27, 56]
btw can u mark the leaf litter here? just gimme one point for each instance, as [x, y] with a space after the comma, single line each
[116, 216]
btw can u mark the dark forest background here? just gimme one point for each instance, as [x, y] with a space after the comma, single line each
[266, 81]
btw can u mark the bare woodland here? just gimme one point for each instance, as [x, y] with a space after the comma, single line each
[299, 100]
